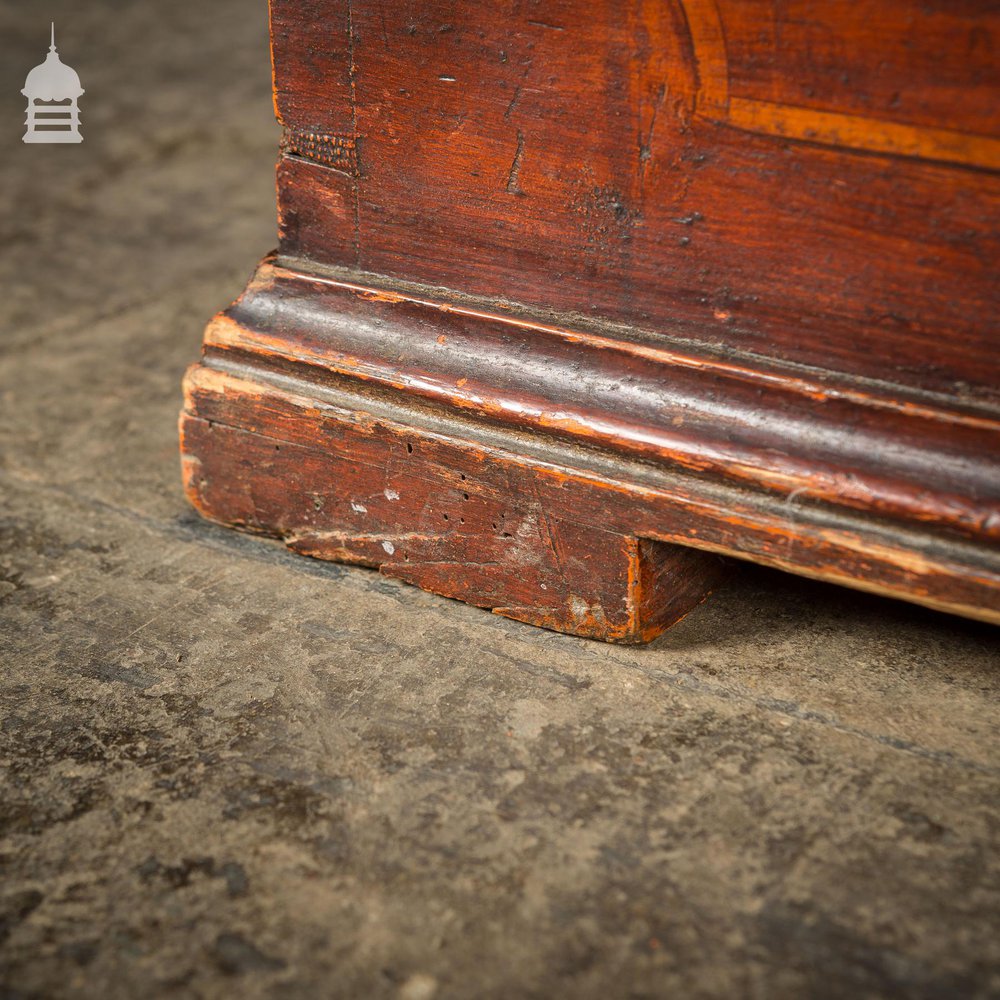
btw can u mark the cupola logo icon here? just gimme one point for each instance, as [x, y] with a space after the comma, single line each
[52, 89]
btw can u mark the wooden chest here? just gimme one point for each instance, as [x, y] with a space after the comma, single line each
[571, 297]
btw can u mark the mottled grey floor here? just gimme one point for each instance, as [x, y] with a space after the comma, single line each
[229, 772]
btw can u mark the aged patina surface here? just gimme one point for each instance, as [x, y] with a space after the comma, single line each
[583, 281]
[230, 771]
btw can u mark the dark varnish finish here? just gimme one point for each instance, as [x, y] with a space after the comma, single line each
[584, 157]
[571, 297]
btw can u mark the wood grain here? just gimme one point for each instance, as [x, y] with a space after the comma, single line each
[269, 452]
[460, 521]
[630, 204]
[705, 273]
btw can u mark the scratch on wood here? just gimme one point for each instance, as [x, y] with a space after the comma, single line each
[348, 537]
[513, 102]
[646, 148]
[515, 167]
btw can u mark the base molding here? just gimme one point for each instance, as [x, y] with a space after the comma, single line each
[582, 481]
[461, 522]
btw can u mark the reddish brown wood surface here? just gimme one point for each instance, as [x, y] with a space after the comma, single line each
[616, 160]
[640, 275]
[459, 521]
[820, 438]
[283, 456]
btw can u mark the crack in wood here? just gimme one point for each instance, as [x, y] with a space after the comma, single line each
[515, 167]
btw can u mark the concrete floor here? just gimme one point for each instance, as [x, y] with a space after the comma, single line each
[229, 772]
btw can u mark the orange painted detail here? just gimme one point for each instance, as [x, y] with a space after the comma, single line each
[870, 134]
[717, 100]
[709, 41]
